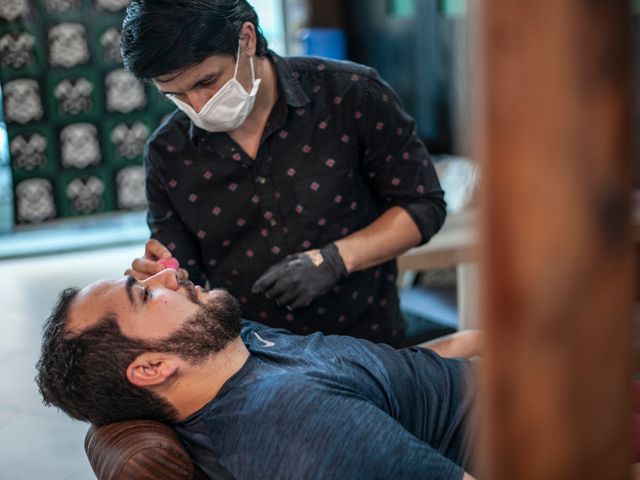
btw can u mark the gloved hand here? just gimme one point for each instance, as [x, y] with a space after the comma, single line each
[302, 277]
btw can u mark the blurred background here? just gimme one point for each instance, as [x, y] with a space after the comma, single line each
[72, 129]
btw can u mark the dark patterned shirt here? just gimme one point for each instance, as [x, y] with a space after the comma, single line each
[337, 151]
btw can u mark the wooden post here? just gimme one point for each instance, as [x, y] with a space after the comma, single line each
[558, 269]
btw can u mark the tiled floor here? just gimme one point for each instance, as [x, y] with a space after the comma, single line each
[37, 442]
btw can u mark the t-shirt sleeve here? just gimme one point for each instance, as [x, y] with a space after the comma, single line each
[396, 162]
[164, 221]
[334, 435]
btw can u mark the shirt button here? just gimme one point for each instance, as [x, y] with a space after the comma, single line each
[274, 223]
[261, 180]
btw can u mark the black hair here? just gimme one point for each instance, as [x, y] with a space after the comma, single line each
[85, 375]
[164, 36]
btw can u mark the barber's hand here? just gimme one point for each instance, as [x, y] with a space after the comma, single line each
[156, 258]
[302, 277]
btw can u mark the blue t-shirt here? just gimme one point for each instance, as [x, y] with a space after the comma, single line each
[334, 407]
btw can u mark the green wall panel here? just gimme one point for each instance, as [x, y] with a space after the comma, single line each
[76, 121]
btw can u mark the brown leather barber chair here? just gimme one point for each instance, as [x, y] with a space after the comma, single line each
[137, 450]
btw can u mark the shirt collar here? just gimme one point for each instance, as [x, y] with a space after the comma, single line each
[287, 83]
[249, 366]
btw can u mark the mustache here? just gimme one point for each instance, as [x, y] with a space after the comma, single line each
[190, 290]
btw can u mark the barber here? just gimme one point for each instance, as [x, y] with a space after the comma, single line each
[293, 183]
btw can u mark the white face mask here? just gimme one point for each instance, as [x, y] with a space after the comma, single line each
[228, 108]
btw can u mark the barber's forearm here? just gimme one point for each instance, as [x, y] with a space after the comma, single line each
[390, 235]
[462, 344]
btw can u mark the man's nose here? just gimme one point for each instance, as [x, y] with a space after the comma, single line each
[198, 99]
[167, 278]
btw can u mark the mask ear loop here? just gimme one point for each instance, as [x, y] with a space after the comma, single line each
[253, 73]
[235, 71]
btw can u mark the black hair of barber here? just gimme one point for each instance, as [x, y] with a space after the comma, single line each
[84, 375]
[164, 36]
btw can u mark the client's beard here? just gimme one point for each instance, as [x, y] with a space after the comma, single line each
[208, 331]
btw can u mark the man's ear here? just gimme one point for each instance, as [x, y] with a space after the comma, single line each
[151, 369]
[249, 38]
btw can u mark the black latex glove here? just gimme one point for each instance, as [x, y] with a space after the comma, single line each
[302, 277]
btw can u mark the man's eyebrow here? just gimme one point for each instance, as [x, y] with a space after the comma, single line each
[205, 79]
[131, 281]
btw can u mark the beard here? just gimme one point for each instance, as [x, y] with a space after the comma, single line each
[209, 330]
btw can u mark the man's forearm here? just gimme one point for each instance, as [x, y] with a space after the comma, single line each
[463, 344]
[390, 235]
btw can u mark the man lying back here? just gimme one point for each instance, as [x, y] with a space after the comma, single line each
[250, 401]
